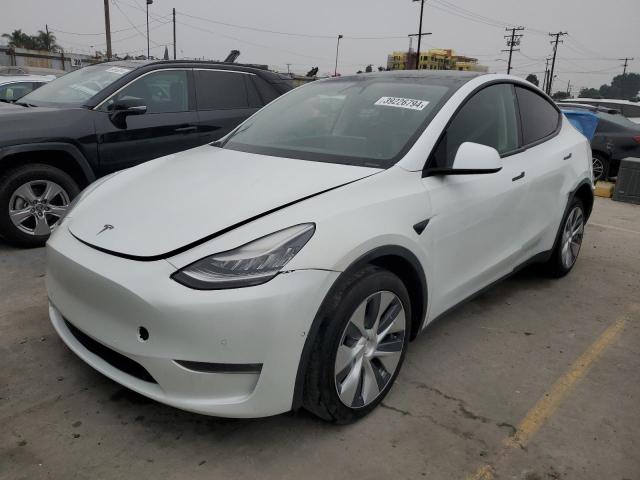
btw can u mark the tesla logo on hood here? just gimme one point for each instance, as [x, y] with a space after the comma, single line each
[105, 228]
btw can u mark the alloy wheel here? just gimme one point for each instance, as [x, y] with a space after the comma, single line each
[370, 349]
[36, 207]
[598, 168]
[572, 237]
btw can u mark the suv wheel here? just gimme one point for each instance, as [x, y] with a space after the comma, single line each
[33, 199]
[360, 348]
[569, 241]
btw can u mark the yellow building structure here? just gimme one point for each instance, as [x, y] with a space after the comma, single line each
[434, 59]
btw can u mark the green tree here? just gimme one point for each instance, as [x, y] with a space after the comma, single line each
[19, 39]
[589, 93]
[533, 79]
[45, 41]
[626, 86]
[560, 95]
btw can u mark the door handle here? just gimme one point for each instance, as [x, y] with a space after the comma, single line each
[186, 129]
[567, 157]
[518, 177]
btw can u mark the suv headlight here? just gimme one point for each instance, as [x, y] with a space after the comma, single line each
[251, 264]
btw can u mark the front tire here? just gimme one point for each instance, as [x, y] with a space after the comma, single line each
[33, 199]
[360, 346]
[567, 248]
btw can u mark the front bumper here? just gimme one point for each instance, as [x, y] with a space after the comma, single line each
[99, 299]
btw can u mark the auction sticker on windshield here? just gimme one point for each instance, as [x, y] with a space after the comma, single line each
[118, 70]
[409, 103]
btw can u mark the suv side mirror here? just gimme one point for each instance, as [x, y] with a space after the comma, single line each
[124, 107]
[471, 159]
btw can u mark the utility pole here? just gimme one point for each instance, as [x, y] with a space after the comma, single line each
[546, 73]
[288, 69]
[569, 88]
[513, 40]
[149, 2]
[411, 35]
[626, 64]
[419, 33]
[174, 33]
[107, 28]
[335, 72]
[553, 61]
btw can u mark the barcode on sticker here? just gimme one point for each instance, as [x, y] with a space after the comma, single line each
[409, 103]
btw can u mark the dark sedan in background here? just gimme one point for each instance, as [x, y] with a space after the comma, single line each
[616, 137]
[107, 117]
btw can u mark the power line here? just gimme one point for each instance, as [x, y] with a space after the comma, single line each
[289, 34]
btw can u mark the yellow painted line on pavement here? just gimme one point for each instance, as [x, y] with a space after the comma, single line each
[548, 404]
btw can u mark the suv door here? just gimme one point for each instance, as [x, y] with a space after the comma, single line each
[169, 124]
[474, 235]
[225, 98]
[547, 159]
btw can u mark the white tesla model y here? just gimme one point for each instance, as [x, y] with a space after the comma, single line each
[290, 264]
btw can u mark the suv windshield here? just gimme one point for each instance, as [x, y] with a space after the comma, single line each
[75, 88]
[366, 120]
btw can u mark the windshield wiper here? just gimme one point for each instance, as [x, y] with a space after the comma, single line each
[24, 104]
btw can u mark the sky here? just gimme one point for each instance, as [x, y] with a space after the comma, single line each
[303, 34]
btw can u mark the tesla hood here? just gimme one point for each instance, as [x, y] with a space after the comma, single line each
[161, 207]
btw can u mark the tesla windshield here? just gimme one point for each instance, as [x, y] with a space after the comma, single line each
[75, 88]
[366, 121]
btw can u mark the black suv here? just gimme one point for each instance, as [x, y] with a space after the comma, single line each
[110, 116]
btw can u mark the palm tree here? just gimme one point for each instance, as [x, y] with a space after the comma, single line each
[19, 39]
[45, 41]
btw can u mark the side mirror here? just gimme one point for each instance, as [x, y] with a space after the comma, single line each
[124, 107]
[471, 159]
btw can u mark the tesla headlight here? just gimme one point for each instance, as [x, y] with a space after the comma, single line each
[251, 264]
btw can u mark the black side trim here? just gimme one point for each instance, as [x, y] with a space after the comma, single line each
[205, 367]
[113, 358]
[69, 148]
[432, 172]
[420, 226]
[191, 245]
[368, 258]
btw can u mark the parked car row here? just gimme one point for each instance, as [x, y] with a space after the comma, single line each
[616, 137]
[100, 119]
[14, 87]
[628, 109]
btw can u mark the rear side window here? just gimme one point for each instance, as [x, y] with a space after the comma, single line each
[219, 90]
[267, 92]
[488, 118]
[539, 117]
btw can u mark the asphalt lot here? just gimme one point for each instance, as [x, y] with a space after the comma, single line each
[536, 379]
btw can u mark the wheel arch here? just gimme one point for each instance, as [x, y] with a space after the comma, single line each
[584, 192]
[398, 260]
[65, 156]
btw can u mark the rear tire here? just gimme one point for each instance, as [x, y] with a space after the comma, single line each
[567, 248]
[355, 362]
[33, 198]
